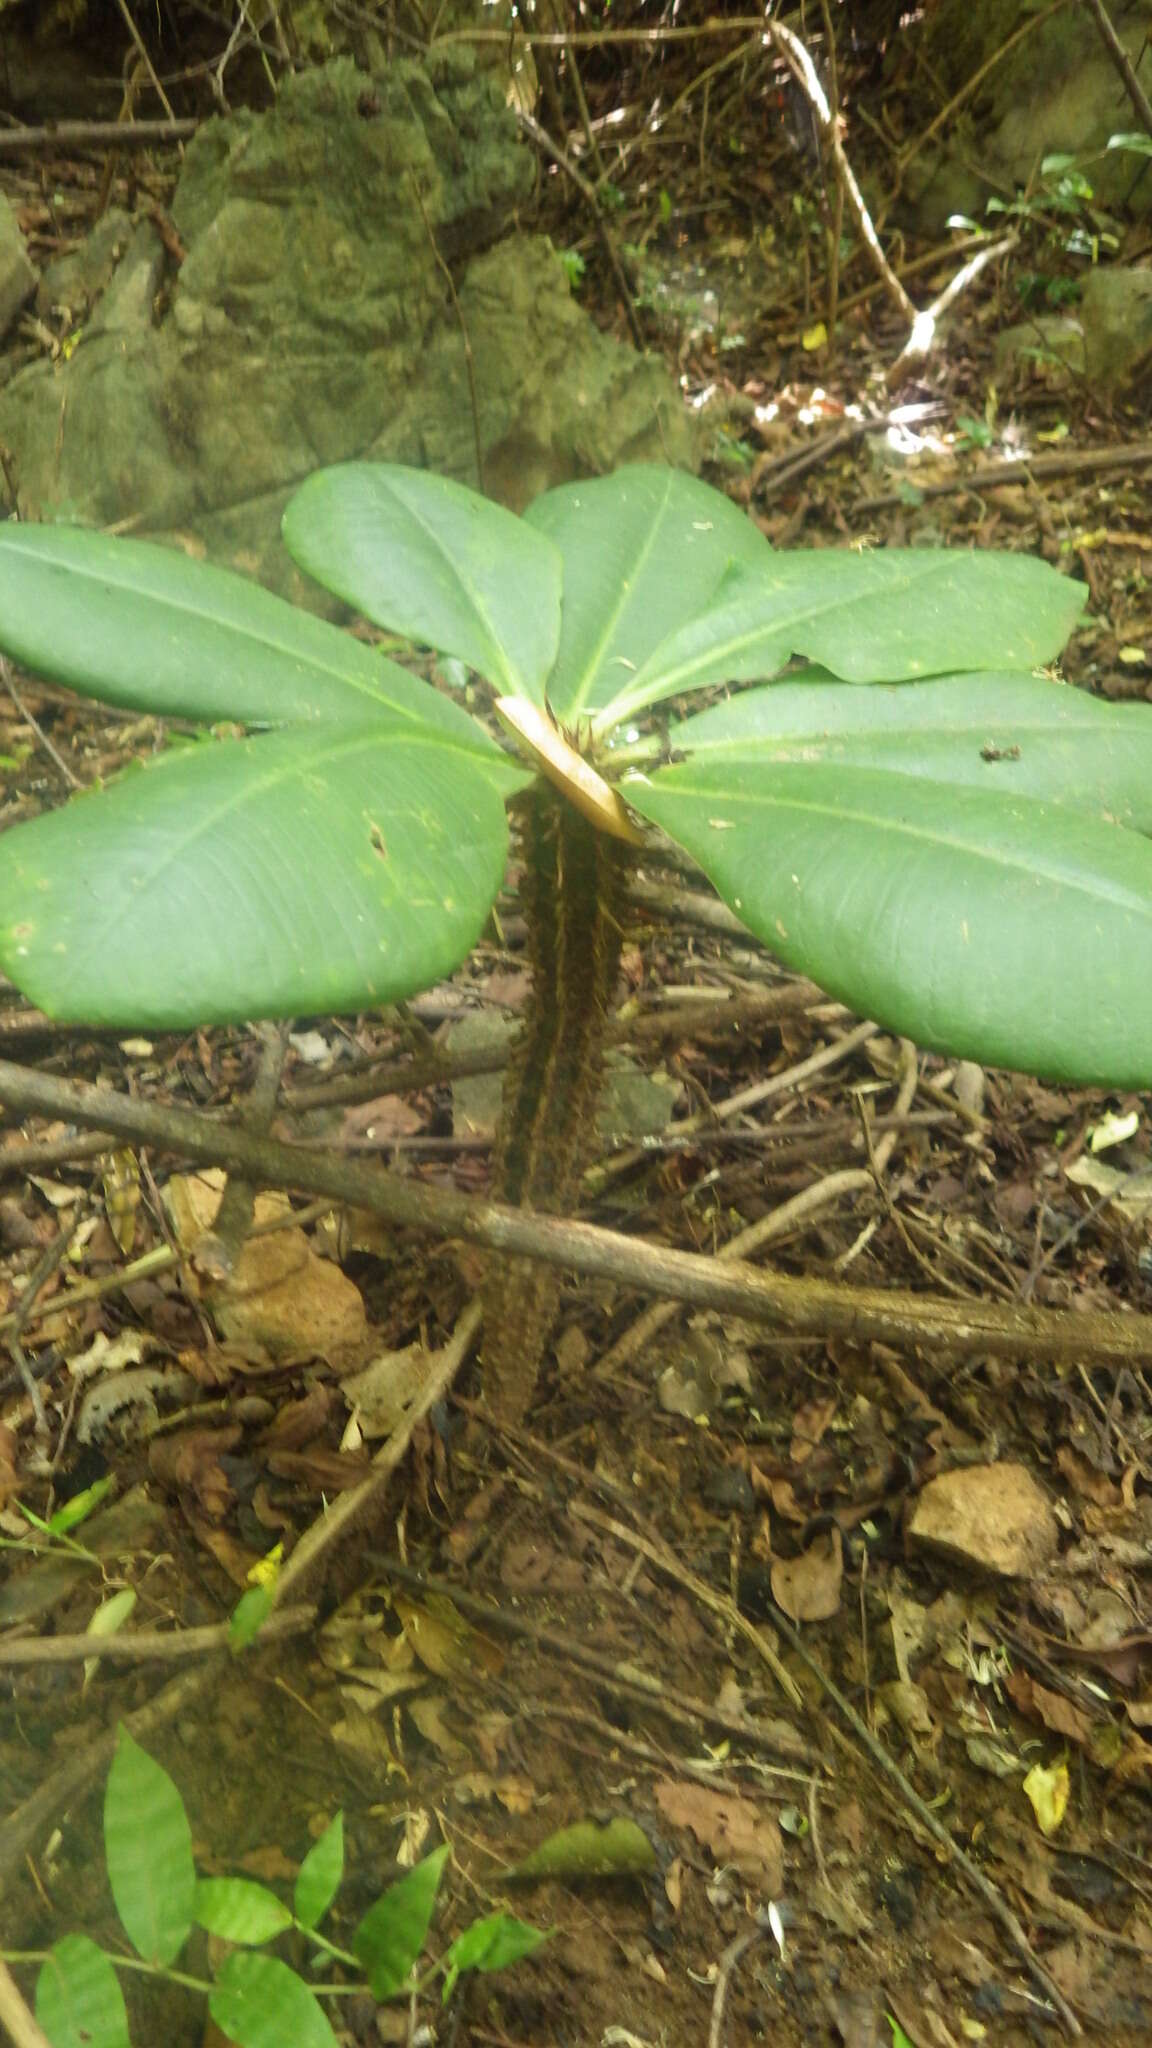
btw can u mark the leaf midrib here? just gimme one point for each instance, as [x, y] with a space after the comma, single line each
[842, 813]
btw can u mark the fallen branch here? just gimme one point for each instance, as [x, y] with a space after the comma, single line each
[94, 134]
[1082, 462]
[808, 1307]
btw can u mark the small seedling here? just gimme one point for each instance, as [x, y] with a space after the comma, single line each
[255, 1998]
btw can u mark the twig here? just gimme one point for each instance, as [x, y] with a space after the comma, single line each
[15, 2018]
[803, 70]
[777, 1224]
[543, 140]
[356, 1506]
[682, 1709]
[806, 1306]
[930, 1820]
[165, 1646]
[218, 1249]
[465, 336]
[65, 135]
[926, 326]
[145, 59]
[52, 751]
[720, 1604]
[728, 1961]
[993, 475]
[1121, 60]
[734, 1105]
[972, 85]
[20, 1829]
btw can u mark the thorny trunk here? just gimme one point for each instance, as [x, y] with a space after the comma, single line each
[573, 895]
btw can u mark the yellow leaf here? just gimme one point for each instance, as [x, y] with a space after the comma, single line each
[1046, 1791]
[814, 337]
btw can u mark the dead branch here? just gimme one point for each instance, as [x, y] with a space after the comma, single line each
[805, 1306]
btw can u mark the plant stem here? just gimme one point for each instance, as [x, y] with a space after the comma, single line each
[573, 897]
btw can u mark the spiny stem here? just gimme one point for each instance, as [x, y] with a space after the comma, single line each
[573, 895]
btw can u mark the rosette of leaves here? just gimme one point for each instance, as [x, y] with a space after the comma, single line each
[919, 817]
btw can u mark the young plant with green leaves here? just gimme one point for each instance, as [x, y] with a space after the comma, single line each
[255, 1998]
[921, 817]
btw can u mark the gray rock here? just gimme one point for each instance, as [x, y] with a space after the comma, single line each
[310, 324]
[70, 285]
[1049, 349]
[1117, 311]
[17, 274]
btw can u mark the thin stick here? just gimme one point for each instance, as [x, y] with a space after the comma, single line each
[65, 135]
[728, 1961]
[543, 140]
[778, 1222]
[807, 1306]
[20, 1830]
[804, 72]
[1079, 462]
[930, 1820]
[719, 1603]
[1121, 60]
[358, 1505]
[680, 1708]
[926, 326]
[15, 2018]
[165, 1646]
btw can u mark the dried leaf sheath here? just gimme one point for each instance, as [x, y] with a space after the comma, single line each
[572, 891]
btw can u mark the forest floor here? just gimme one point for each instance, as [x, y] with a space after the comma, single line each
[857, 1641]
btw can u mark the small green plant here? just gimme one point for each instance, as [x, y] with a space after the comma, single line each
[1060, 211]
[920, 818]
[255, 1998]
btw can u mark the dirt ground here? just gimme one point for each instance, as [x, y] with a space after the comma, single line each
[838, 1654]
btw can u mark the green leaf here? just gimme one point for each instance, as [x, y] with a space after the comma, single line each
[391, 1936]
[258, 2002]
[140, 625]
[1015, 735]
[435, 561]
[249, 1615]
[895, 615]
[78, 1509]
[79, 2003]
[239, 1910]
[148, 1844]
[300, 873]
[493, 1943]
[591, 1848]
[643, 551]
[1006, 930]
[319, 1876]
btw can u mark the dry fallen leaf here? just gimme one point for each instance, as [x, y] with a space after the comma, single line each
[808, 1587]
[733, 1830]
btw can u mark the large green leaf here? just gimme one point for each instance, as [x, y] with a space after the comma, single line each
[140, 625]
[258, 2002]
[895, 615]
[240, 1910]
[79, 2002]
[148, 1845]
[435, 561]
[1007, 930]
[308, 871]
[1012, 735]
[643, 551]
